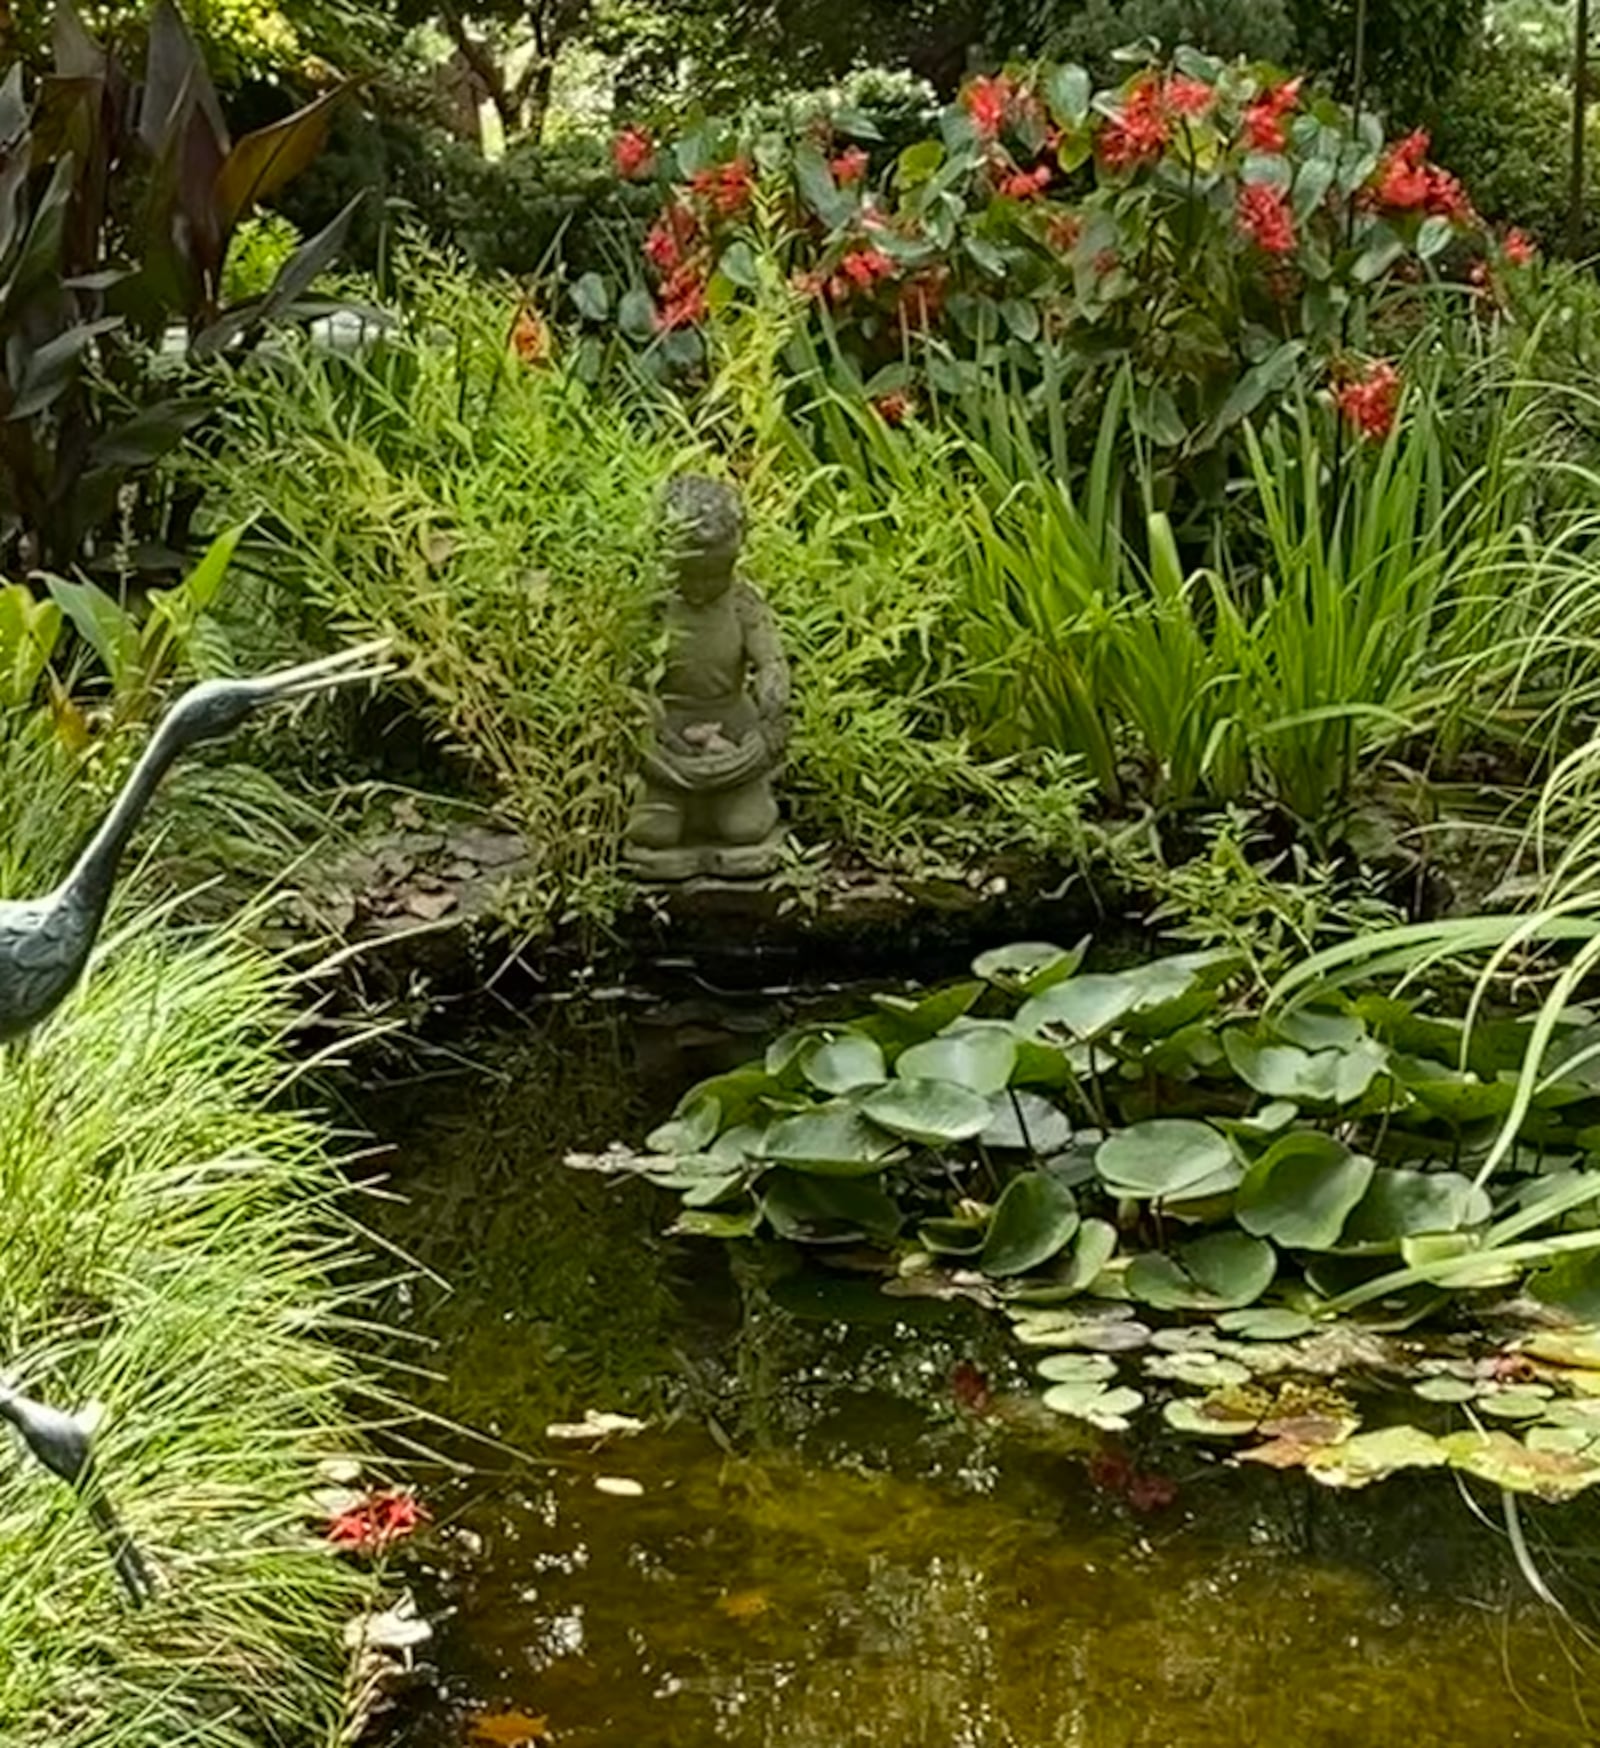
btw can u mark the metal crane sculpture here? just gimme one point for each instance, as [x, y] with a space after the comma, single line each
[45, 943]
[64, 1444]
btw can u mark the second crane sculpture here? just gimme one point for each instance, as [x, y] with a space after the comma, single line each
[45, 943]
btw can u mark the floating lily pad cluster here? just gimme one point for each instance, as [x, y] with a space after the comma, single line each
[1045, 1133]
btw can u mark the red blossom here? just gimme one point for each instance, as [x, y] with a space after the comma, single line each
[988, 102]
[530, 337]
[725, 187]
[859, 270]
[850, 166]
[1026, 184]
[683, 298]
[1371, 401]
[1403, 174]
[376, 1522]
[1137, 133]
[1517, 248]
[1264, 217]
[1266, 117]
[1189, 97]
[1063, 230]
[675, 230]
[634, 153]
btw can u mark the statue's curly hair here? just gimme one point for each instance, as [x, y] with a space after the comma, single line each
[707, 510]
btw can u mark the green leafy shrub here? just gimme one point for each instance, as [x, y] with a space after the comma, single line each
[173, 1247]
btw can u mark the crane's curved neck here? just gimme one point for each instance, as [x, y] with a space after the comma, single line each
[94, 873]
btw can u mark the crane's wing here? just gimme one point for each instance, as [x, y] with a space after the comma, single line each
[42, 952]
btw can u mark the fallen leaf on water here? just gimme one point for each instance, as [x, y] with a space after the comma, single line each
[744, 1605]
[508, 1729]
[618, 1486]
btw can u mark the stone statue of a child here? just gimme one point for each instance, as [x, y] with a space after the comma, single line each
[720, 723]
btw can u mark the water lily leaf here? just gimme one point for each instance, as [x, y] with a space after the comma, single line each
[1576, 1439]
[1164, 1157]
[1077, 1368]
[1524, 1403]
[950, 1237]
[1036, 1215]
[1185, 1053]
[1075, 1272]
[1097, 1332]
[1266, 1323]
[832, 1140]
[839, 1065]
[1285, 1071]
[1206, 1418]
[1301, 1190]
[1370, 1456]
[711, 1223]
[1506, 1462]
[1197, 1367]
[1107, 1409]
[1320, 1028]
[1270, 1120]
[1024, 1120]
[980, 1059]
[814, 1209]
[1174, 991]
[1400, 1203]
[930, 1111]
[1219, 1272]
[1571, 1283]
[1446, 1389]
[692, 1130]
[1086, 1007]
[1029, 967]
[1450, 1093]
[927, 1015]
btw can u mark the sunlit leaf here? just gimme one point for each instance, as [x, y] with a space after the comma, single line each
[979, 1058]
[1034, 1218]
[1165, 1157]
[930, 1111]
[1300, 1192]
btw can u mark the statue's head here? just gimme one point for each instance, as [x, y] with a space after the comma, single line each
[705, 529]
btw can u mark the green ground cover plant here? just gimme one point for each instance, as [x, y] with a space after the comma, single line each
[176, 1247]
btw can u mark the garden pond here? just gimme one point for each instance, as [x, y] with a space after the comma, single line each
[846, 1519]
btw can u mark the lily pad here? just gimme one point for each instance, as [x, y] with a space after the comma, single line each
[1035, 1216]
[711, 1223]
[1301, 1190]
[1370, 1456]
[1571, 1284]
[1029, 967]
[1107, 1409]
[1446, 1389]
[930, 1111]
[812, 1209]
[1266, 1323]
[1164, 1157]
[1096, 1333]
[1507, 1462]
[1205, 1418]
[1285, 1071]
[1219, 1272]
[692, 1130]
[1077, 1368]
[839, 1065]
[832, 1140]
[1320, 1028]
[1025, 1121]
[1401, 1203]
[1528, 1402]
[922, 1017]
[950, 1237]
[1198, 1368]
[980, 1059]
[1085, 1007]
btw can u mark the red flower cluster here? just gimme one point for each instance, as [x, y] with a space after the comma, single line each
[683, 298]
[892, 408]
[860, 270]
[1407, 182]
[670, 238]
[988, 102]
[1025, 184]
[1190, 98]
[530, 336]
[1371, 401]
[377, 1522]
[725, 187]
[1517, 248]
[1266, 118]
[850, 166]
[1265, 218]
[634, 153]
[1138, 132]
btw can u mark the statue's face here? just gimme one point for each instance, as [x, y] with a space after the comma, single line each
[701, 573]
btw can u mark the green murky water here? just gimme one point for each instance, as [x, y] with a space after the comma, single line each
[864, 1535]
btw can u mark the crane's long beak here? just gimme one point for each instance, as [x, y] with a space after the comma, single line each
[367, 661]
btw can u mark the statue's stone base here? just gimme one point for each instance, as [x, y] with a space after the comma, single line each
[720, 861]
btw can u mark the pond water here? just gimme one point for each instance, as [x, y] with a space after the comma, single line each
[864, 1533]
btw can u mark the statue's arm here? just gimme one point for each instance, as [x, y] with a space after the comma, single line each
[769, 668]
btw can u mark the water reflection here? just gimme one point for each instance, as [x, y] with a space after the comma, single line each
[830, 1550]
